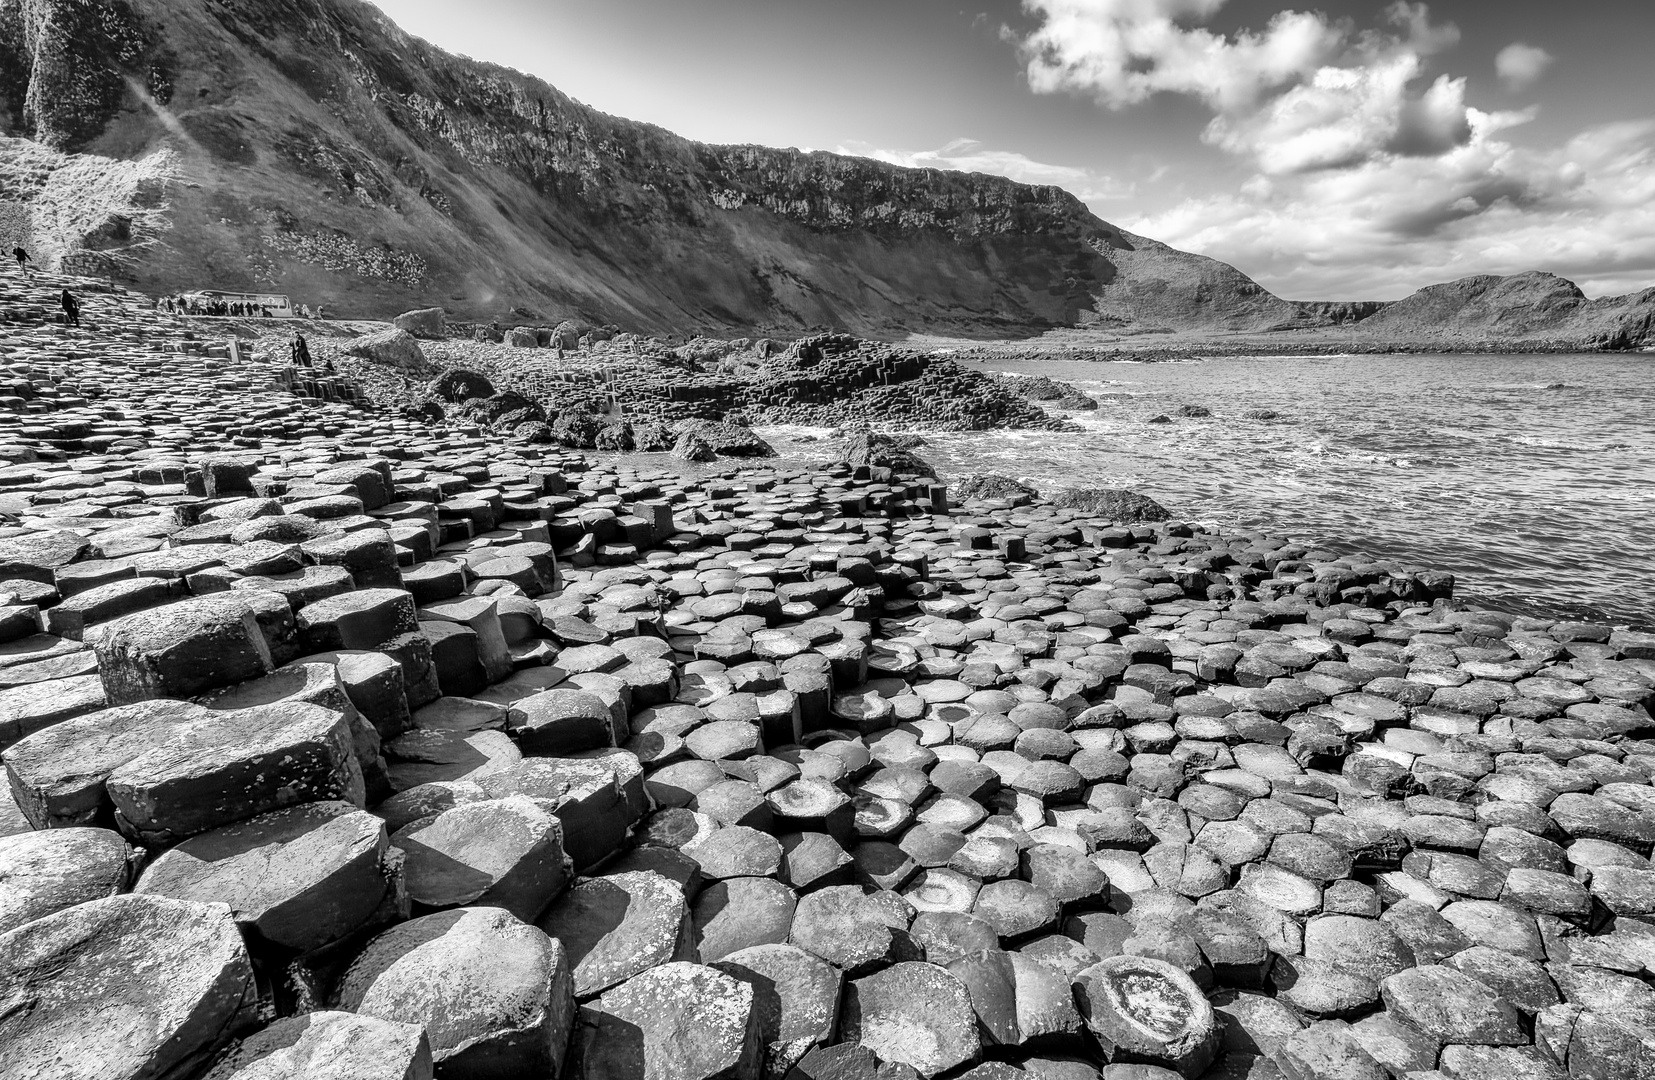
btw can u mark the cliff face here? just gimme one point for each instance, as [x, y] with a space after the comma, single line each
[323, 152]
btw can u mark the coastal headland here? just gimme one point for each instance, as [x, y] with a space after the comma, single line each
[478, 694]
[355, 724]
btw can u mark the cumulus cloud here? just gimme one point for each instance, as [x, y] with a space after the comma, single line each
[1307, 92]
[1383, 228]
[1520, 66]
[969, 155]
[1372, 175]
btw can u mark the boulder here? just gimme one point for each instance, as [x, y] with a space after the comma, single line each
[726, 440]
[522, 337]
[1111, 504]
[692, 447]
[123, 987]
[393, 347]
[329, 1046]
[567, 335]
[1046, 390]
[990, 486]
[492, 993]
[877, 450]
[460, 384]
[422, 323]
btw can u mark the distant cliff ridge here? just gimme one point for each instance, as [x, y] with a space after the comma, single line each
[324, 152]
[313, 147]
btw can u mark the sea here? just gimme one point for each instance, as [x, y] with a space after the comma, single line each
[1529, 477]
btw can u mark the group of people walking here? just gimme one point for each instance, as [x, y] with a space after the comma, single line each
[191, 305]
[197, 305]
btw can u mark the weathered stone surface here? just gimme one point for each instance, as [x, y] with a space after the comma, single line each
[501, 853]
[618, 926]
[795, 1000]
[329, 1046]
[1451, 1007]
[125, 986]
[181, 649]
[1148, 1011]
[493, 994]
[224, 767]
[44, 872]
[296, 879]
[678, 1020]
[915, 1014]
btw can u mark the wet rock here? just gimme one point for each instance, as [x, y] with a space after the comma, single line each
[1111, 504]
[990, 486]
[870, 448]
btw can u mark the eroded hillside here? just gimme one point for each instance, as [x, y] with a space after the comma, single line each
[325, 153]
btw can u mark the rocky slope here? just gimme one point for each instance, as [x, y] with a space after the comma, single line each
[323, 152]
[1534, 307]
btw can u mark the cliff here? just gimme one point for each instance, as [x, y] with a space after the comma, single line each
[314, 148]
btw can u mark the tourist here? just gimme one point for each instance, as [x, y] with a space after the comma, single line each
[71, 308]
[22, 258]
[301, 351]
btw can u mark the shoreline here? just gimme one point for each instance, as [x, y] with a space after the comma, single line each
[434, 705]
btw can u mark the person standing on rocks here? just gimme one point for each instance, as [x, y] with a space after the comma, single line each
[71, 308]
[22, 258]
[301, 351]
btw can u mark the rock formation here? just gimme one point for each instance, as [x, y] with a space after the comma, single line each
[434, 754]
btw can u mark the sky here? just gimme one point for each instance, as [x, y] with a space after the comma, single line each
[1347, 150]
